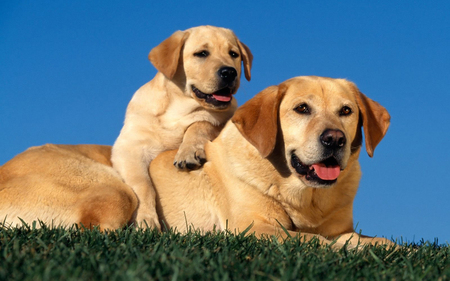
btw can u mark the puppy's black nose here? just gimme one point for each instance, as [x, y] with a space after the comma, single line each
[227, 74]
[333, 138]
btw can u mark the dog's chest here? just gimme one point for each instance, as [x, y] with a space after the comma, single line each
[181, 113]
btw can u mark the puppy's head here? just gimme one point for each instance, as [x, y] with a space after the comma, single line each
[318, 120]
[205, 62]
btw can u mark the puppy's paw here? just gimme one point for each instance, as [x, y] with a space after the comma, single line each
[190, 158]
[147, 221]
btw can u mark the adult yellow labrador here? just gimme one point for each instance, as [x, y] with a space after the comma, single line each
[287, 159]
[183, 106]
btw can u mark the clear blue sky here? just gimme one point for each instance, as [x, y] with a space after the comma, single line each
[69, 68]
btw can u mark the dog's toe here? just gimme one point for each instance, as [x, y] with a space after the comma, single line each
[191, 166]
[200, 156]
[147, 220]
[190, 160]
[180, 164]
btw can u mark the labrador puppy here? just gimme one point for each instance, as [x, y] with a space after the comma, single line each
[184, 106]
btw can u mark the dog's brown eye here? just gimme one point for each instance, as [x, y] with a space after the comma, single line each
[234, 54]
[202, 54]
[345, 111]
[302, 109]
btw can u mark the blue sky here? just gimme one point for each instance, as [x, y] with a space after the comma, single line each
[69, 68]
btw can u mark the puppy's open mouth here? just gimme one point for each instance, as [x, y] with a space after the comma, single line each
[324, 173]
[221, 98]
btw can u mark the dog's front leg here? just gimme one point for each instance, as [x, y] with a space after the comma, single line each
[132, 166]
[191, 154]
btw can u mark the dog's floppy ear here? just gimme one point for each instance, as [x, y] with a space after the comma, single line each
[257, 119]
[375, 121]
[247, 59]
[165, 56]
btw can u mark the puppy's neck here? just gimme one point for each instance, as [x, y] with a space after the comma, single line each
[179, 79]
[171, 86]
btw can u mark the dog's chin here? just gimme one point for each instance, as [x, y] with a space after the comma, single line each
[319, 175]
[219, 100]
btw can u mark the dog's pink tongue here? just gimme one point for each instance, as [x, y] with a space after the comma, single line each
[327, 173]
[222, 98]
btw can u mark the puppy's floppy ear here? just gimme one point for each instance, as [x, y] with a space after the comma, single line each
[165, 56]
[375, 121]
[247, 59]
[257, 119]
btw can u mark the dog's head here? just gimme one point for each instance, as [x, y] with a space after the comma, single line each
[318, 122]
[206, 62]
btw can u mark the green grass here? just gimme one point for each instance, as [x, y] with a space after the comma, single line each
[129, 254]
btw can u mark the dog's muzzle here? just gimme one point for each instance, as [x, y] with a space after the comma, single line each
[324, 172]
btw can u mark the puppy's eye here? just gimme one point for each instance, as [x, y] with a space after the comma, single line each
[234, 54]
[345, 111]
[202, 54]
[302, 109]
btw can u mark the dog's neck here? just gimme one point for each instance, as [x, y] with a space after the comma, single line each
[239, 158]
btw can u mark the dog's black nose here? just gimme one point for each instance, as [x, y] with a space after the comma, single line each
[333, 138]
[227, 74]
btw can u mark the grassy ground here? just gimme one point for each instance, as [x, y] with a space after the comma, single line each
[128, 254]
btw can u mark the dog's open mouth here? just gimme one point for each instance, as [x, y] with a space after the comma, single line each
[221, 98]
[323, 173]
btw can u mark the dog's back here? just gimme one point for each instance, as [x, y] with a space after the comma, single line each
[64, 185]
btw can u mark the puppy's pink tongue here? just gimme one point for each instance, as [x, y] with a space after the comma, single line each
[327, 173]
[222, 98]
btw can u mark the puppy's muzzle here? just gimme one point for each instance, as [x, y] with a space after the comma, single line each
[227, 85]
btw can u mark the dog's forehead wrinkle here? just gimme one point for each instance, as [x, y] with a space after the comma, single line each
[336, 98]
[204, 46]
[322, 90]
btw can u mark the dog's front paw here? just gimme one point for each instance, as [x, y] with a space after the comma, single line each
[190, 159]
[354, 240]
